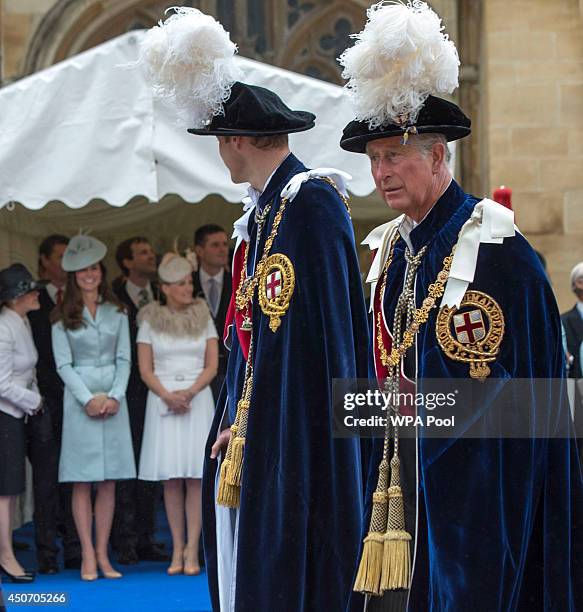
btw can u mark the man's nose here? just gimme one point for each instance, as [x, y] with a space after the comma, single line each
[383, 170]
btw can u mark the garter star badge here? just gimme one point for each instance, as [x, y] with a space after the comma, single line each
[276, 286]
[472, 333]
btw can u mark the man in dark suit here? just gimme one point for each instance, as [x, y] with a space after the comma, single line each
[52, 501]
[135, 508]
[213, 282]
[573, 322]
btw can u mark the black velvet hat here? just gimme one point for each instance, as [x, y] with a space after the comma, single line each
[15, 281]
[436, 116]
[256, 111]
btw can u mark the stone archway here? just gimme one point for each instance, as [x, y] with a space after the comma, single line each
[71, 26]
[314, 43]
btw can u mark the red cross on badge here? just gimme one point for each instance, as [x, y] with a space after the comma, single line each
[469, 327]
[273, 285]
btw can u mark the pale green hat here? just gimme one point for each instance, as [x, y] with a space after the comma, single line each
[81, 252]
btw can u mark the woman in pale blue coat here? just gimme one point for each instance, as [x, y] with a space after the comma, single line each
[91, 345]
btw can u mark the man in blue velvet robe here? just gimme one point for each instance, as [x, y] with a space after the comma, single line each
[494, 514]
[289, 537]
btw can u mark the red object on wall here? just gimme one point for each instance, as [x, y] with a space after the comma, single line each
[503, 195]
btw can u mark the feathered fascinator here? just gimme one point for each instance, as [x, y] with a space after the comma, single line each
[189, 59]
[400, 58]
[173, 268]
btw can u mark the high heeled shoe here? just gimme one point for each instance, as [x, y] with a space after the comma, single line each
[190, 570]
[88, 576]
[25, 578]
[175, 570]
[110, 574]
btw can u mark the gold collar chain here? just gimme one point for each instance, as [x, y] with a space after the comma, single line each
[247, 285]
[420, 315]
[246, 288]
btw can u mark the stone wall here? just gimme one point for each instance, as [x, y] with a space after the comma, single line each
[533, 60]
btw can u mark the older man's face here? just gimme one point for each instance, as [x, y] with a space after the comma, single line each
[403, 174]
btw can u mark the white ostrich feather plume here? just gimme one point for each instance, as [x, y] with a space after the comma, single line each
[399, 59]
[189, 60]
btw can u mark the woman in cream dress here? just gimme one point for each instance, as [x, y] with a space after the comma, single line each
[178, 358]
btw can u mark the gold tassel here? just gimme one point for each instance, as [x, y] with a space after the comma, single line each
[235, 469]
[368, 577]
[396, 572]
[225, 495]
[228, 495]
[238, 442]
[396, 561]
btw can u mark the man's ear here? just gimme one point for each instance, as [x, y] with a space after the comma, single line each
[239, 142]
[198, 250]
[125, 263]
[437, 155]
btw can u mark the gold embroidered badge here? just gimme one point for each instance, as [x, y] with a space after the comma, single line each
[276, 286]
[472, 333]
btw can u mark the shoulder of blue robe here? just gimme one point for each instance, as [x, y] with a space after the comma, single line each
[513, 449]
[319, 239]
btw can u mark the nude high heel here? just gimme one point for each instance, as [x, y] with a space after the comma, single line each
[175, 570]
[109, 573]
[190, 570]
[88, 576]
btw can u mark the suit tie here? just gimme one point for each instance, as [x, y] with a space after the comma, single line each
[144, 298]
[213, 296]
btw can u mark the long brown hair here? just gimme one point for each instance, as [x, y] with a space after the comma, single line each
[70, 311]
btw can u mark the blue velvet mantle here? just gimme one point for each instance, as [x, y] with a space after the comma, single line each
[301, 510]
[500, 520]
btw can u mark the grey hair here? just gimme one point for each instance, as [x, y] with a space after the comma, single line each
[576, 274]
[426, 141]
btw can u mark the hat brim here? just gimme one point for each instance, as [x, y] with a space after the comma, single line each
[251, 133]
[14, 293]
[76, 262]
[357, 144]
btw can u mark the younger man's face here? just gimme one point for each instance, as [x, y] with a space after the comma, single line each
[215, 250]
[52, 265]
[234, 158]
[143, 259]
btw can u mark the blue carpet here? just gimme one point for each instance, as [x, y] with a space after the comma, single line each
[145, 587]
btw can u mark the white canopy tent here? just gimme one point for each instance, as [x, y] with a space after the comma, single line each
[87, 134]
